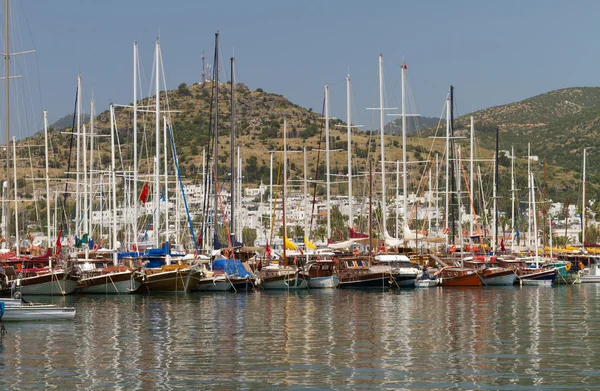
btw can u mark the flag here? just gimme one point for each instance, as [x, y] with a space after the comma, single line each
[308, 244]
[144, 193]
[502, 248]
[404, 65]
[357, 235]
[58, 244]
[268, 250]
[289, 245]
[82, 241]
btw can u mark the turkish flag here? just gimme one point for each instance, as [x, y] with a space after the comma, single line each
[144, 193]
[58, 244]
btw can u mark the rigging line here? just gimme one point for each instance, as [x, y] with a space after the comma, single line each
[66, 194]
[274, 200]
[312, 214]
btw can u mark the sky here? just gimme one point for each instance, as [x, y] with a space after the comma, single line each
[493, 52]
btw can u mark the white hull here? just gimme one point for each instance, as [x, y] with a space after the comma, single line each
[590, 279]
[536, 282]
[50, 288]
[285, 284]
[425, 283]
[323, 282]
[112, 286]
[37, 312]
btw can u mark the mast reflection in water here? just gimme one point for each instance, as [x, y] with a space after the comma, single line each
[480, 338]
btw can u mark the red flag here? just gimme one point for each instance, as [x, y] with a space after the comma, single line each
[268, 250]
[144, 193]
[58, 244]
[404, 65]
[502, 248]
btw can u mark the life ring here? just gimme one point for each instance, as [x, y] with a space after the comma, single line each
[446, 230]
[426, 233]
[226, 254]
[568, 266]
[465, 232]
[356, 252]
[452, 248]
[467, 248]
[95, 247]
[195, 253]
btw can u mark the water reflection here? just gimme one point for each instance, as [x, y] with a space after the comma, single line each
[485, 339]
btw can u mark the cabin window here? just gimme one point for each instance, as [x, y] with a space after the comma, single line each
[324, 267]
[359, 263]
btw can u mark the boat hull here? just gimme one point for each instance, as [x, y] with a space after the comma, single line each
[367, 281]
[590, 279]
[178, 280]
[111, 283]
[285, 282]
[50, 284]
[500, 278]
[323, 282]
[37, 313]
[425, 283]
[213, 284]
[459, 277]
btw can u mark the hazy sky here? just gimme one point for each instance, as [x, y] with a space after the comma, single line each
[492, 52]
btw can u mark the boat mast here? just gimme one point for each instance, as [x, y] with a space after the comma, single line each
[447, 222]
[327, 161]
[156, 222]
[166, 176]
[349, 129]
[6, 185]
[114, 185]
[584, 203]
[381, 140]
[370, 210]
[77, 203]
[233, 197]
[18, 246]
[453, 179]
[472, 153]
[532, 186]
[135, 146]
[216, 135]
[529, 195]
[512, 190]
[496, 195]
[85, 195]
[92, 114]
[283, 190]
[404, 166]
[398, 195]
[305, 206]
[48, 241]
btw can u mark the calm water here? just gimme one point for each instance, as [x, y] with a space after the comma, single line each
[437, 339]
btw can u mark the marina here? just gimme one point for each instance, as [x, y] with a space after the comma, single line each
[489, 338]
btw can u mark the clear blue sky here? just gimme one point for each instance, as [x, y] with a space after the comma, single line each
[492, 52]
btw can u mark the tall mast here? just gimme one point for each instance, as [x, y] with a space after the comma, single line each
[18, 246]
[584, 202]
[216, 134]
[349, 127]
[77, 203]
[166, 176]
[404, 167]
[370, 209]
[512, 189]
[398, 195]
[381, 140]
[447, 211]
[7, 92]
[472, 153]
[452, 179]
[114, 184]
[156, 222]
[47, 181]
[85, 195]
[529, 194]
[305, 205]
[283, 190]
[135, 146]
[92, 114]
[532, 185]
[327, 161]
[496, 195]
[233, 176]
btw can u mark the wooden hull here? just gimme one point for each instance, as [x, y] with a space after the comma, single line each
[49, 284]
[213, 284]
[110, 283]
[37, 313]
[459, 277]
[538, 278]
[285, 282]
[242, 284]
[177, 280]
[367, 281]
[426, 283]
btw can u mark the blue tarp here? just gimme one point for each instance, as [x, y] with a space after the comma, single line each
[1, 309]
[231, 267]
